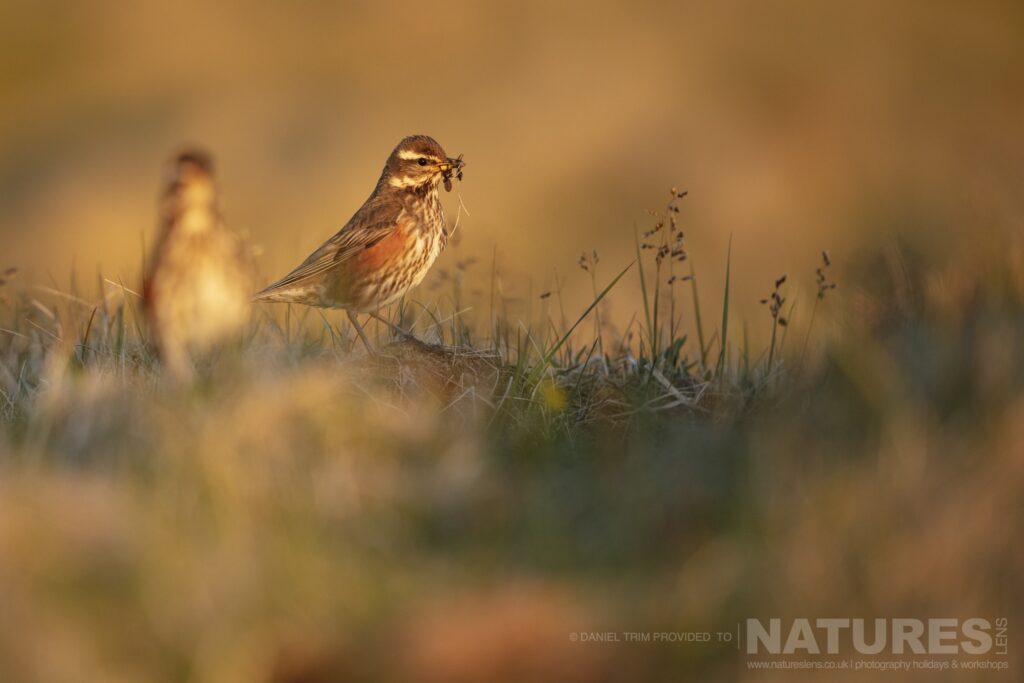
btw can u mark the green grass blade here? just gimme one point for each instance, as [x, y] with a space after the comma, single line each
[725, 310]
[696, 315]
[643, 289]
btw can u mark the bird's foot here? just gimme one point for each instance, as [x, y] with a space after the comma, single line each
[394, 328]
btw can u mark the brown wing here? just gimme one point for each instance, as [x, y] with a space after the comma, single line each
[372, 223]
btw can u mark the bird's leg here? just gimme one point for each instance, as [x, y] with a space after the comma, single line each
[362, 335]
[393, 326]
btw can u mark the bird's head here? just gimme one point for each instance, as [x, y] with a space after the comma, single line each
[419, 163]
[190, 177]
[189, 202]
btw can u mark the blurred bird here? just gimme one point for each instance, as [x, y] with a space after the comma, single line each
[387, 247]
[198, 281]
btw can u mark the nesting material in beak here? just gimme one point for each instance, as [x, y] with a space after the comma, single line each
[452, 168]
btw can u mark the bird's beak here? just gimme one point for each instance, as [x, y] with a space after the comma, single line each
[452, 165]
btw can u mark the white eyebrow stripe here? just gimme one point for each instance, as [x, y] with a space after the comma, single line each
[409, 155]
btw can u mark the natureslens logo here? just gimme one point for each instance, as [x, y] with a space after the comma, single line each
[974, 636]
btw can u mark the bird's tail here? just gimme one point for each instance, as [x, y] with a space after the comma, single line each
[276, 294]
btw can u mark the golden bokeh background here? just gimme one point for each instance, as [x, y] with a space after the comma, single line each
[302, 513]
[796, 125]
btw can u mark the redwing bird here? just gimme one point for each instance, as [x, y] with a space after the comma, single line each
[387, 247]
[198, 281]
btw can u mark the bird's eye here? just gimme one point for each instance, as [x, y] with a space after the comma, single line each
[422, 161]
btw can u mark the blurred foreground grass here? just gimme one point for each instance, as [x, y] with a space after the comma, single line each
[305, 514]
